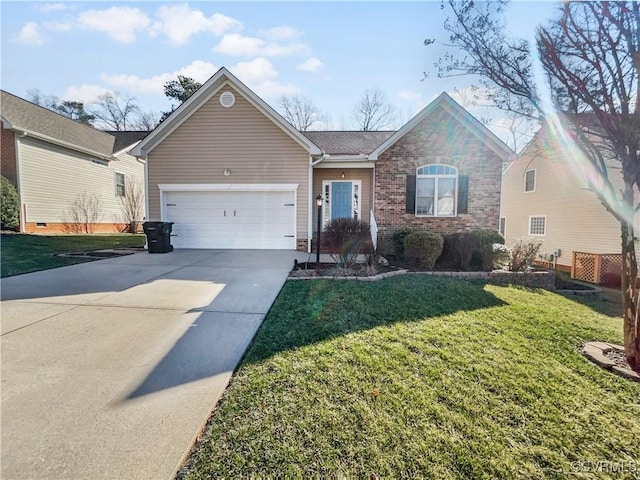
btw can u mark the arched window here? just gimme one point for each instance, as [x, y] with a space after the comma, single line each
[436, 191]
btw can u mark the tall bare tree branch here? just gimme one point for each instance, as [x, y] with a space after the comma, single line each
[299, 112]
[373, 112]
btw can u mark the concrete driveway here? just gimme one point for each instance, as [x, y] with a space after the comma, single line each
[110, 368]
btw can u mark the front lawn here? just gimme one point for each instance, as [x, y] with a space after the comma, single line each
[423, 377]
[22, 253]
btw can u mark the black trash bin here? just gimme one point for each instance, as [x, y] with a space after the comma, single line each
[158, 236]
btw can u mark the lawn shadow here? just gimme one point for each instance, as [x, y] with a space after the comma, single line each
[609, 303]
[308, 312]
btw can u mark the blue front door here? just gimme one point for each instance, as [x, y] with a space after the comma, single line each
[341, 200]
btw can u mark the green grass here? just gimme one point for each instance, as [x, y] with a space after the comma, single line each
[21, 253]
[473, 381]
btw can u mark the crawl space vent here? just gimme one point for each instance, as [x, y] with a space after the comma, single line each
[227, 99]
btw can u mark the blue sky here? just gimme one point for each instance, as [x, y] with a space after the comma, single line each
[330, 52]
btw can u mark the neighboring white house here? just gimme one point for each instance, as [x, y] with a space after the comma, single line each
[546, 196]
[58, 164]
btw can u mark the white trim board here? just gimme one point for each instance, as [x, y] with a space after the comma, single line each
[233, 187]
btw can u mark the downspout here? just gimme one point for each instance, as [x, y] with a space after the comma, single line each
[146, 192]
[23, 208]
[310, 200]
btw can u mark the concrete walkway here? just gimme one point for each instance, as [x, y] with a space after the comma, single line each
[110, 368]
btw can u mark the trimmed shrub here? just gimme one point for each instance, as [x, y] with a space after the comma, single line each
[398, 241]
[422, 248]
[501, 255]
[482, 256]
[340, 230]
[9, 208]
[523, 252]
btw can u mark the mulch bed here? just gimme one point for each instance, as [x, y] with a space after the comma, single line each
[618, 357]
[308, 269]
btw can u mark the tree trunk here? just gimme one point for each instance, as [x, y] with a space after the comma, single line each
[630, 299]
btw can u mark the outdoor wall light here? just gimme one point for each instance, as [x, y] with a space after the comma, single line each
[342, 175]
[227, 172]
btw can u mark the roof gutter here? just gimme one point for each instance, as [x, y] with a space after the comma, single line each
[322, 157]
[24, 133]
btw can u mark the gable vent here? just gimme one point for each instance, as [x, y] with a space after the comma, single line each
[227, 99]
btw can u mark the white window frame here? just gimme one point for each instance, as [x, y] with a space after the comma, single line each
[356, 201]
[435, 198]
[531, 217]
[535, 180]
[124, 184]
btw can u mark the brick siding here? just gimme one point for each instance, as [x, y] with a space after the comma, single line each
[439, 138]
[301, 245]
[8, 155]
[48, 228]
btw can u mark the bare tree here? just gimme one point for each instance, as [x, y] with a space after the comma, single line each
[373, 112]
[84, 213]
[116, 112]
[68, 108]
[132, 204]
[146, 121]
[299, 111]
[590, 55]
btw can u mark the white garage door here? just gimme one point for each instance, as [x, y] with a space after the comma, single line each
[260, 220]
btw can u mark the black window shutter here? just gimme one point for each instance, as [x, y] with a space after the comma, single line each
[411, 194]
[463, 193]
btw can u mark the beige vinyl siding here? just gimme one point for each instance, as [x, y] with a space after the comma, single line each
[363, 174]
[240, 139]
[52, 177]
[575, 218]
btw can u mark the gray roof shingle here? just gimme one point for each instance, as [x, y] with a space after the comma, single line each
[126, 138]
[347, 143]
[25, 115]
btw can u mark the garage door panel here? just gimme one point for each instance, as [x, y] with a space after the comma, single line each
[214, 219]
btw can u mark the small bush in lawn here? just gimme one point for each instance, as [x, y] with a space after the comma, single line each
[347, 256]
[501, 255]
[422, 248]
[340, 230]
[523, 252]
[371, 258]
[9, 208]
[483, 249]
[398, 241]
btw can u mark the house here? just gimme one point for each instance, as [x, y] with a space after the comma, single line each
[230, 172]
[546, 196]
[60, 166]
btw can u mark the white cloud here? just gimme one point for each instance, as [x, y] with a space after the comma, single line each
[199, 70]
[84, 93]
[51, 7]
[409, 95]
[30, 34]
[120, 23]
[416, 101]
[261, 76]
[244, 46]
[311, 65]
[58, 26]
[179, 22]
[255, 70]
[281, 33]
[274, 89]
